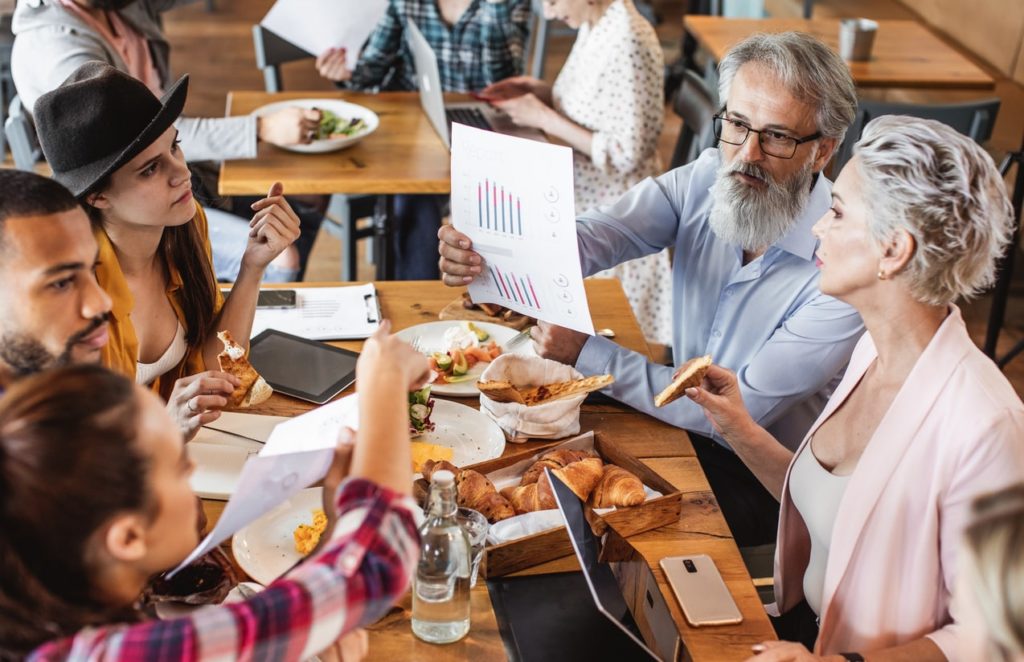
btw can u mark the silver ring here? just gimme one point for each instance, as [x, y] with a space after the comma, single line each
[190, 407]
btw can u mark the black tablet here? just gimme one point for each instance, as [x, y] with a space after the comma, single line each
[306, 369]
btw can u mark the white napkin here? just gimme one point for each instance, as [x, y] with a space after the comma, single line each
[552, 420]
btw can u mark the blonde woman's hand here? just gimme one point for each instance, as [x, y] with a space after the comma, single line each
[384, 353]
[273, 228]
[722, 402]
[526, 110]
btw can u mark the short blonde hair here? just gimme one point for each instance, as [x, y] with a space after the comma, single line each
[994, 561]
[940, 186]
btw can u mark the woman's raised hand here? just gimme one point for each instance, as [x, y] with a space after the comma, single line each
[273, 228]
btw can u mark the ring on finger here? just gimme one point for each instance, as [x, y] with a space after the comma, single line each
[191, 407]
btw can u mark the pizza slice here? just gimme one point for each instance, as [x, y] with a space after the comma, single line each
[253, 389]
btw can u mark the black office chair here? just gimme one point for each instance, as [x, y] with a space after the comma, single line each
[21, 136]
[1001, 291]
[974, 119]
[696, 104]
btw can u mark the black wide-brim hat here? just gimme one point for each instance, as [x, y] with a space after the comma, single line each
[100, 119]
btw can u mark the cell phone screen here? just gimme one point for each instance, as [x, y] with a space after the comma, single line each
[276, 299]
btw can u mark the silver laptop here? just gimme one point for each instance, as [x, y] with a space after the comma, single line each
[621, 583]
[441, 115]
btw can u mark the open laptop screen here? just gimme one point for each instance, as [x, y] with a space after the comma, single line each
[622, 585]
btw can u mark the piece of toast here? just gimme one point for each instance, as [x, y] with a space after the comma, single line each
[501, 391]
[688, 375]
[252, 390]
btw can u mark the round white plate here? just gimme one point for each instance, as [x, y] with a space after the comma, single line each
[342, 109]
[431, 339]
[265, 549]
[470, 433]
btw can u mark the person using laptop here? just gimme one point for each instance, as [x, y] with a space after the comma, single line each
[608, 105]
[744, 282]
[55, 37]
[876, 498]
[57, 312]
[476, 42]
[95, 500]
[118, 153]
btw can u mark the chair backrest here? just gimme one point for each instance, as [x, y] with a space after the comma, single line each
[271, 52]
[21, 136]
[696, 104]
[974, 119]
[538, 40]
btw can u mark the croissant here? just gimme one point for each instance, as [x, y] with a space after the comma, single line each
[617, 487]
[477, 492]
[528, 498]
[430, 466]
[581, 477]
[553, 460]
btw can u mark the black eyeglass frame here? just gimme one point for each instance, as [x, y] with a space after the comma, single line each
[718, 119]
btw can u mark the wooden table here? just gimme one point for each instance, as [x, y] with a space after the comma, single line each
[701, 528]
[905, 54]
[404, 155]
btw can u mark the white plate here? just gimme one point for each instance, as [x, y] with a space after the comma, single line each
[431, 339]
[470, 433]
[265, 549]
[342, 109]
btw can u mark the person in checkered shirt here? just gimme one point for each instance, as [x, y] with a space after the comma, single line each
[95, 500]
[477, 43]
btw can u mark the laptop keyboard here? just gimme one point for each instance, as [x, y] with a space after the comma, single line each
[469, 116]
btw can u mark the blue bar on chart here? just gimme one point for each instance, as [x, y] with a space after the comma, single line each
[518, 289]
[498, 210]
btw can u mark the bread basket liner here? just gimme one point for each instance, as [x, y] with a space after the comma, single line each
[551, 420]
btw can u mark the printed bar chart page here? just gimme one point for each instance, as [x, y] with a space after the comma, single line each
[514, 198]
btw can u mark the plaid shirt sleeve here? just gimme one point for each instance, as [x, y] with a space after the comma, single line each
[381, 54]
[504, 33]
[364, 569]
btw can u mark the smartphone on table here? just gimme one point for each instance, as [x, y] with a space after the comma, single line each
[276, 299]
[700, 590]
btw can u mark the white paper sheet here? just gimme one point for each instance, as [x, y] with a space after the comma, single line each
[315, 430]
[515, 199]
[325, 313]
[266, 481]
[316, 25]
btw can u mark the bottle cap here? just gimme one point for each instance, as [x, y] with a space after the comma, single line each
[442, 477]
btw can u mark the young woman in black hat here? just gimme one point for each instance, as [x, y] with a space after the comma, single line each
[113, 144]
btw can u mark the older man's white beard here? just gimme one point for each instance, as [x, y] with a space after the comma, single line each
[752, 218]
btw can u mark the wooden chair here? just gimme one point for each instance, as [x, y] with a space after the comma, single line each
[974, 119]
[696, 104]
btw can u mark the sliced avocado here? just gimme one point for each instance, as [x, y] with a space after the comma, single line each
[443, 362]
[481, 335]
[460, 365]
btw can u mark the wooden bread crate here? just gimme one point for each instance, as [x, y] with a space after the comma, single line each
[532, 550]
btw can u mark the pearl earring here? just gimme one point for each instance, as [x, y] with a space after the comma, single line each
[882, 275]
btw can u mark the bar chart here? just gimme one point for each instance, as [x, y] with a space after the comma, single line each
[515, 288]
[498, 209]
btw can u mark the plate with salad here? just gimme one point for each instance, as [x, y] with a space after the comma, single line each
[459, 352]
[342, 124]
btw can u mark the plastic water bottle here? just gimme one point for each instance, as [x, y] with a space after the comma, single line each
[440, 595]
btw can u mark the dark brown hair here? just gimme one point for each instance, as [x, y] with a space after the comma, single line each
[185, 249]
[68, 463]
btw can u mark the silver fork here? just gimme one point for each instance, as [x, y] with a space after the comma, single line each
[417, 344]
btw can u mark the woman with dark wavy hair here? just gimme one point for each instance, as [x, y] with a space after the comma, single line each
[113, 144]
[95, 500]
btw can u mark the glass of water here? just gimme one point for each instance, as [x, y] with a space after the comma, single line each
[475, 525]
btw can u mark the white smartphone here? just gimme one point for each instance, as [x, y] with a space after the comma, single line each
[700, 591]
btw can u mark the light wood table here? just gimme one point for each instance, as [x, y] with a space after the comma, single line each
[905, 54]
[700, 529]
[403, 156]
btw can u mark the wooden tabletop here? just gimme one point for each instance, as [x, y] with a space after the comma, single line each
[905, 53]
[666, 449]
[404, 154]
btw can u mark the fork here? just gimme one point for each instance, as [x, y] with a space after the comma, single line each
[417, 344]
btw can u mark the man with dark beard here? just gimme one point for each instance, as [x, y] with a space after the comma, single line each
[54, 311]
[745, 284]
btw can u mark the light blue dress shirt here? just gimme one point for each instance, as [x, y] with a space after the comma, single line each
[787, 342]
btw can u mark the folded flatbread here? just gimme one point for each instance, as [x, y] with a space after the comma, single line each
[502, 391]
[688, 375]
[252, 390]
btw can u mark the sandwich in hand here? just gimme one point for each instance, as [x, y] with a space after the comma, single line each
[688, 375]
[252, 390]
[503, 391]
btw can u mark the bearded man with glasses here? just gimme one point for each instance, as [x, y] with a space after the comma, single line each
[745, 284]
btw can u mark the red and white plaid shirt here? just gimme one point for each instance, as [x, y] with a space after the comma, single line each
[352, 582]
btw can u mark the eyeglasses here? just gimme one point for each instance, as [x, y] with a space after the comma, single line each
[773, 143]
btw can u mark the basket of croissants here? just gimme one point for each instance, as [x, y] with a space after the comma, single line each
[632, 499]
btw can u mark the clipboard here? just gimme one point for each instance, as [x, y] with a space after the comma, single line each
[325, 313]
